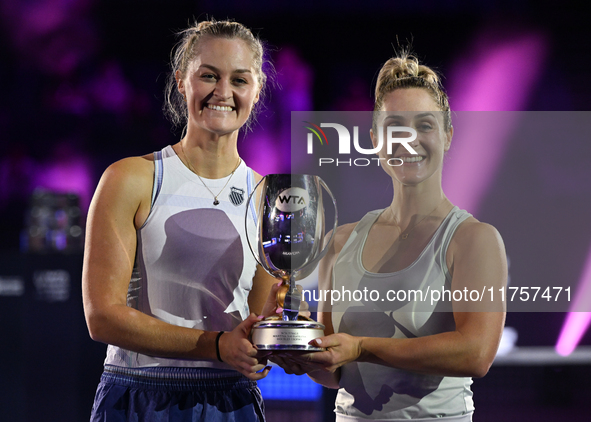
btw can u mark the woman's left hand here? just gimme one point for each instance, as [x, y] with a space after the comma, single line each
[340, 349]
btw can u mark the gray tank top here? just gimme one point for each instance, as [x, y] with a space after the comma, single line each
[379, 392]
[194, 267]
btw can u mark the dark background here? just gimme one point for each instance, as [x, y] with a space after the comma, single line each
[81, 86]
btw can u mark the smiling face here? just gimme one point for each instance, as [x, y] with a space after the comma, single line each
[415, 108]
[220, 85]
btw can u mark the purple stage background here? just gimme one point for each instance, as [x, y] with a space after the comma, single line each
[82, 86]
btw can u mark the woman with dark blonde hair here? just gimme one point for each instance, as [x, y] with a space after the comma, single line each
[169, 282]
[411, 358]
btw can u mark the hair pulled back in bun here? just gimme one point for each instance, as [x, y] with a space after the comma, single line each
[185, 50]
[404, 71]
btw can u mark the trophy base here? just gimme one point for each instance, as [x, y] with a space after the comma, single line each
[276, 334]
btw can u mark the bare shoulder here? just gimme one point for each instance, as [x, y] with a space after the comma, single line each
[132, 167]
[473, 233]
[476, 241]
[132, 174]
[126, 185]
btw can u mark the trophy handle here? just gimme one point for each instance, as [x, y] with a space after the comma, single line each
[279, 274]
[336, 218]
[297, 275]
[254, 254]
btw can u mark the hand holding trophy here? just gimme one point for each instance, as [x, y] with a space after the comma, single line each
[288, 244]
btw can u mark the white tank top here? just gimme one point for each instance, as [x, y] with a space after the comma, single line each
[374, 391]
[193, 266]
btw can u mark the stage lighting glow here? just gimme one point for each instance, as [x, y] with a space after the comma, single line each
[495, 76]
[577, 321]
[574, 327]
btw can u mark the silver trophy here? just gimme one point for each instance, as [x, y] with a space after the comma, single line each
[289, 237]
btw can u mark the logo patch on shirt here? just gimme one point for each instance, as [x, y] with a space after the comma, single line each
[236, 195]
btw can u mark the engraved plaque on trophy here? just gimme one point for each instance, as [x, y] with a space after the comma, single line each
[288, 244]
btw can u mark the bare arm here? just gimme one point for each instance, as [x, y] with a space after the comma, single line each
[120, 206]
[477, 259]
[261, 299]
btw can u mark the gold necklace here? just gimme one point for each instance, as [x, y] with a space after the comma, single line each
[405, 236]
[215, 197]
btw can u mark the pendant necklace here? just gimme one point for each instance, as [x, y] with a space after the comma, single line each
[405, 235]
[215, 197]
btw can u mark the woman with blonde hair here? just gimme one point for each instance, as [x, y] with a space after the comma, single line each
[414, 357]
[169, 282]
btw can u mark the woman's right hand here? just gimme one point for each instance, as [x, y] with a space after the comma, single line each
[292, 363]
[237, 351]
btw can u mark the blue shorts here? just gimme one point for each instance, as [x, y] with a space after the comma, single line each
[176, 394]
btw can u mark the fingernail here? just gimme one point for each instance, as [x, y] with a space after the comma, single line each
[279, 310]
[260, 317]
[279, 284]
[318, 341]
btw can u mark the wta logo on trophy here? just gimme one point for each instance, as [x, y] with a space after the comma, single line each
[392, 136]
[292, 199]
